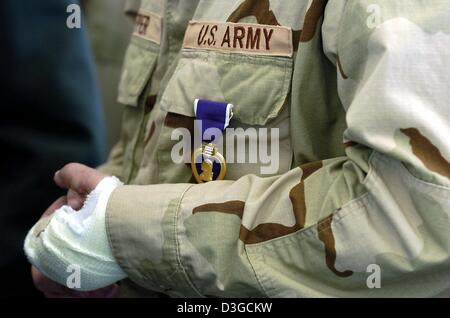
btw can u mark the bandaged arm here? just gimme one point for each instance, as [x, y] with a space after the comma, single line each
[70, 243]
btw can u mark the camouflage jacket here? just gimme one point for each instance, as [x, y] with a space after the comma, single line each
[359, 92]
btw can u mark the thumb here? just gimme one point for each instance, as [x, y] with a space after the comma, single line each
[78, 178]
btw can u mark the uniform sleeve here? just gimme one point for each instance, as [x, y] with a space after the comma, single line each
[373, 223]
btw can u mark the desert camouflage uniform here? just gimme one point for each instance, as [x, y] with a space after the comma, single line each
[364, 174]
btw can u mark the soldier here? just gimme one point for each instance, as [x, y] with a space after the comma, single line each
[358, 91]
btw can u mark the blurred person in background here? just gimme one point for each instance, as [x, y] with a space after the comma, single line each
[50, 115]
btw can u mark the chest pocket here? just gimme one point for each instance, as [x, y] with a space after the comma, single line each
[256, 85]
[240, 71]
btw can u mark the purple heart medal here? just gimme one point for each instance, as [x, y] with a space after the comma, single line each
[207, 163]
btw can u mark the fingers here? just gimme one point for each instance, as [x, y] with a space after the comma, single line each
[78, 177]
[52, 289]
[73, 176]
[80, 180]
[55, 205]
[75, 200]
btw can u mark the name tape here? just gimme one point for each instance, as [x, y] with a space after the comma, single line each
[239, 38]
[148, 26]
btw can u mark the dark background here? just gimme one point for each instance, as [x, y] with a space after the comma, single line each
[50, 114]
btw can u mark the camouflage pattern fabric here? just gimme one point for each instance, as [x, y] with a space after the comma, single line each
[364, 175]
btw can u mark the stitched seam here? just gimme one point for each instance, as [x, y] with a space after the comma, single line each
[177, 244]
[264, 291]
[121, 261]
[339, 29]
[404, 172]
[348, 209]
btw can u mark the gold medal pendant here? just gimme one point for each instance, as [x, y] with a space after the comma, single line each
[208, 164]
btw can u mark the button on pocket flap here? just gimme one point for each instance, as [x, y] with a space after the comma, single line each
[140, 61]
[256, 85]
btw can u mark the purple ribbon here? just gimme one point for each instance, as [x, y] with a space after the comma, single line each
[212, 115]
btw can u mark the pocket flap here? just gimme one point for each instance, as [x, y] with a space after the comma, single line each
[139, 63]
[256, 85]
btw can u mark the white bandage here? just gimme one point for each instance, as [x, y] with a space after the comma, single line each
[75, 243]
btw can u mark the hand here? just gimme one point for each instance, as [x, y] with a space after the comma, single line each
[51, 289]
[79, 180]
[70, 177]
